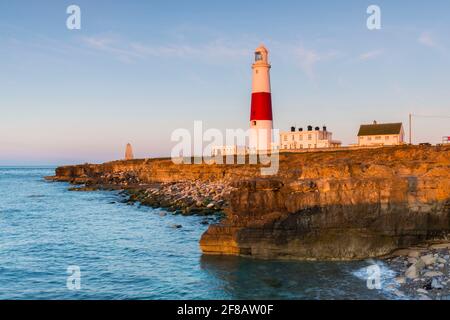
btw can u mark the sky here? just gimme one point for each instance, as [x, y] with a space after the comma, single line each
[138, 70]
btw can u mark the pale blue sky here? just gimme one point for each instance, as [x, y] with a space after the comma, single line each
[137, 70]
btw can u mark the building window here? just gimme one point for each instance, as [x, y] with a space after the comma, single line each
[285, 138]
[309, 137]
[369, 138]
[386, 138]
[377, 138]
[293, 137]
[258, 56]
[254, 123]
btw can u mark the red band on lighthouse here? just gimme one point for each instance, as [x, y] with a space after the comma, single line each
[261, 108]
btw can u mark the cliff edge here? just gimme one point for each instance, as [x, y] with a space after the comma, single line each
[336, 205]
[339, 206]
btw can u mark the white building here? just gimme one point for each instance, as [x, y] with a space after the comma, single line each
[312, 138]
[230, 150]
[383, 134]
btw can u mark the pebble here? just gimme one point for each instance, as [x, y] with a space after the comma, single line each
[400, 280]
[436, 285]
[431, 274]
[422, 291]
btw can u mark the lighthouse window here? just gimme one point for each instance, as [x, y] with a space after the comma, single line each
[258, 56]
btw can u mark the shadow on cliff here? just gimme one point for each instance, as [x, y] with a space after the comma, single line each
[329, 232]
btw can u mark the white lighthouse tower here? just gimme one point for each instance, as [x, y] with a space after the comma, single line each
[261, 124]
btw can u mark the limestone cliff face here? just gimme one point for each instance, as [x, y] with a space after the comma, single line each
[343, 205]
[324, 205]
[155, 171]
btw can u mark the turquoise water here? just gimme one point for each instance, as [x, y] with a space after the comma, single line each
[134, 252]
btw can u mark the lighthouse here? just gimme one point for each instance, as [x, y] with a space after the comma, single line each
[261, 106]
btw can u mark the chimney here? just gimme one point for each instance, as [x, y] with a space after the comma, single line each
[310, 128]
[292, 129]
[300, 129]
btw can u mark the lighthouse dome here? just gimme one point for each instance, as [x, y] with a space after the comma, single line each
[261, 55]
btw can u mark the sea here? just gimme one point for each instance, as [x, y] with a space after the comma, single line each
[61, 244]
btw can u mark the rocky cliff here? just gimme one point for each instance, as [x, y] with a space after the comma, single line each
[324, 205]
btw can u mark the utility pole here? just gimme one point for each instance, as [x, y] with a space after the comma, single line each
[410, 129]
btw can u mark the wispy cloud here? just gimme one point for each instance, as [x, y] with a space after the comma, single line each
[111, 45]
[371, 55]
[426, 39]
[309, 58]
[130, 51]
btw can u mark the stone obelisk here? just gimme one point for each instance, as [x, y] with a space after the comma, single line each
[129, 152]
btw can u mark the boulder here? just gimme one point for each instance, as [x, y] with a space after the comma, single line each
[413, 271]
[431, 274]
[429, 259]
[440, 260]
[413, 254]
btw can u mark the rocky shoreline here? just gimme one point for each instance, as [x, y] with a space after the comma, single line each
[187, 198]
[340, 205]
[183, 197]
[423, 272]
